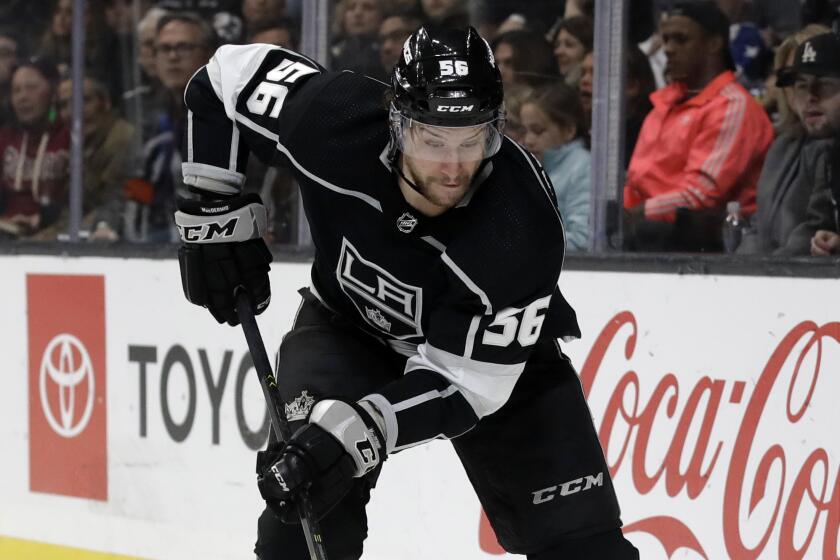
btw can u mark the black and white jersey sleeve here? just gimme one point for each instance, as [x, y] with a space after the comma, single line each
[501, 274]
[243, 100]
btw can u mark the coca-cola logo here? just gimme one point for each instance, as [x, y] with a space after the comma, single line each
[797, 499]
[810, 491]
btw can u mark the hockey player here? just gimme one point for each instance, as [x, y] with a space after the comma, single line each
[433, 310]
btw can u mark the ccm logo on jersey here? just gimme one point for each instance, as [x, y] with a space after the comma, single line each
[567, 488]
[209, 230]
[455, 108]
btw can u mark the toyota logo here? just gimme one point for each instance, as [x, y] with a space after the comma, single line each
[66, 363]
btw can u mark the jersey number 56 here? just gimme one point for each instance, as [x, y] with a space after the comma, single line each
[287, 72]
[526, 330]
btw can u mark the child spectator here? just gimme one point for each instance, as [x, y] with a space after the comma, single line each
[515, 97]
[555, 132]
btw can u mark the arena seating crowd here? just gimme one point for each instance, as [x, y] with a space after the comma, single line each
[727, 101]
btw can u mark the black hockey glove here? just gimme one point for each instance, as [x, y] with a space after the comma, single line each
[223, 249]
[340, 443]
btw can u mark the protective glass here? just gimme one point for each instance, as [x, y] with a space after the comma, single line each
[446, 143]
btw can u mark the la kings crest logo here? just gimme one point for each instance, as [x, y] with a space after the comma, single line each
[385, 303]
[299, 408]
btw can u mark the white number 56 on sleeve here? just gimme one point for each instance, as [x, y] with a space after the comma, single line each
[509, 326]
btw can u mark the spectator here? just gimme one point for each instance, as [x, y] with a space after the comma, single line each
[393, 32]
[223, 15]
[142, 103]
[794, 166]
[572, 40]
[107, 141]
[8, 60]
[355, 25]
[281, 32]
[183, 44]
[640, 85]
[34, 153]
[815, 78]
[525, 57]
[56, 43]
[442, 14]
[262, 14]
[515, 97]
[701, 146]
[780, 100]
[555, 132]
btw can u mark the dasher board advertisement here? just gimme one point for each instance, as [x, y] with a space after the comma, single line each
[129, 419]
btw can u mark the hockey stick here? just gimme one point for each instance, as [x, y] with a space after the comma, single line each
[276, 412]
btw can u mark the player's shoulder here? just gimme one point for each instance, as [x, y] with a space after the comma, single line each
[512, 234]
[521, 191]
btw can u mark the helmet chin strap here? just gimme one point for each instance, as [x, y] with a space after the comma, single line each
[397, 167]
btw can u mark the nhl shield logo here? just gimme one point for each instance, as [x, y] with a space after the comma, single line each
[406, 223]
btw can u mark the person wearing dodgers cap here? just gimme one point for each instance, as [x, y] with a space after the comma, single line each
[815, 77]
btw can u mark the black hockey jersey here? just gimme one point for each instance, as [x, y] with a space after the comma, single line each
[464, 295]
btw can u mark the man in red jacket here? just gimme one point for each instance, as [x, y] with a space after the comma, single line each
[704, 142]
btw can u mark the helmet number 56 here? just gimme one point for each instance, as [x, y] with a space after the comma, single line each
[526, 331]
[454, 68]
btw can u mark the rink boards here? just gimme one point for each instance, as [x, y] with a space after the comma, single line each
[129, 419]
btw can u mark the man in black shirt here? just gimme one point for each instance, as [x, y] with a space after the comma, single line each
[433, 310]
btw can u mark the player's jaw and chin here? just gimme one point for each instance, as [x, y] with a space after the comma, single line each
[439, 185]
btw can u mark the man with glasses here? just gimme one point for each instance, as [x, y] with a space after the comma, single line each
[434, 310]
[183, 43]
[815, 79]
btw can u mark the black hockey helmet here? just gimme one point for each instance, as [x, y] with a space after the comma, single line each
[447, 78]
